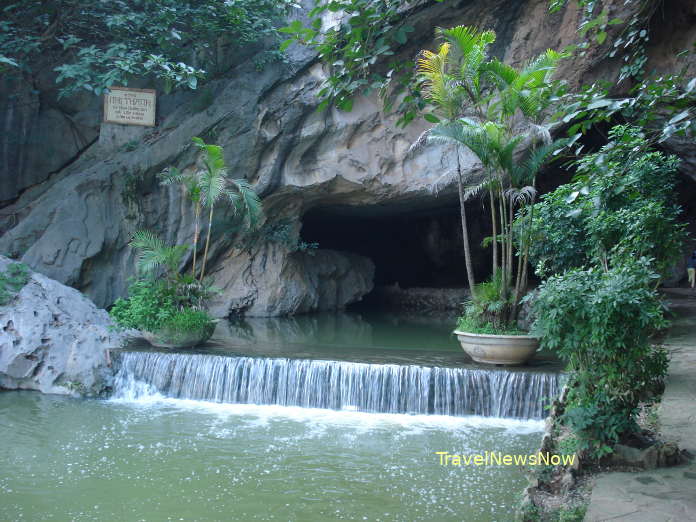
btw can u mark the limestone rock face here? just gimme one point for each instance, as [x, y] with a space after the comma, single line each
[70, 211]
[314, 280]
[53, 339]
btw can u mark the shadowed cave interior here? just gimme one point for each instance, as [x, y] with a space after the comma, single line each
[421, 248]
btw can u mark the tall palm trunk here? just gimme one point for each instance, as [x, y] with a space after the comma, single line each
[503, 245]
[465, 228]
[509, 243]
[196, 232]
[207, 242]
[495, 228]
[522, 275]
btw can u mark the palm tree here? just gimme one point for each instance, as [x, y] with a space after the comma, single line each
[491, 108]
[215, 185]
[450, 80]
[193, 189]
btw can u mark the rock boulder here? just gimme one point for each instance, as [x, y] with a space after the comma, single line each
[53, 339]
[273, 281]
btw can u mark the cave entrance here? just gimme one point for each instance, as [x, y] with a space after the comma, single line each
[411, 248]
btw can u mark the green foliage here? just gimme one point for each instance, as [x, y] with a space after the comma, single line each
[491, 108]
[606, 240]
[558, 240]
[178, 42]
[149, 306]
[213, 184]
[208, 185]
[184, 322]
[488, 307]
[599, 322]
[568, 445]
[574, 514]
[153, 253]
[662, 104]
[155, 306]
[281, 232]
[619, 207]
[12, 280]
[352, 37]
[474, 324]
[173, 304]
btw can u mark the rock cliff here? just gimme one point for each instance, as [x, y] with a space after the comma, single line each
[72, 203]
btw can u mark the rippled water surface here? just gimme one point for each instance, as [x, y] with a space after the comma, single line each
[167, 459]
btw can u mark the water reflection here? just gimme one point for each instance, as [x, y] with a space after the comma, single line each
[368, 336]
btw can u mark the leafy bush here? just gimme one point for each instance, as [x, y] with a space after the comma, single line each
[359, 51]
[620, 207]
[177, 42]
[149, 306]
[185, 321]
[159, 306]
[12, 280]
[599, 322]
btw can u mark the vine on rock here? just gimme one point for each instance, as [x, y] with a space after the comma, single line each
[358, 40]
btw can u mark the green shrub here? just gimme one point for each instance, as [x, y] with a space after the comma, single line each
[150, 304]
[12, 280]
[184, 322]
[619, 207]
[156, 306]
[599, 321]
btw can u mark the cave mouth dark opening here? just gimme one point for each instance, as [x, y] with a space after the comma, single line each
[414, 248]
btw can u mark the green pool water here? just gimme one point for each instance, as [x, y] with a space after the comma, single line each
[167, 459]
[148, 457]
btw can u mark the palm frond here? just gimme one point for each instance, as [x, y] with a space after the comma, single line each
[435, 83]
[153, 252]
[474, 191]
[171, 176]
[249, 201]
[466, 38]
[463, 133]
[501, 74]
[213, 155]
[525, 195]
[212, 185]
[526, 170]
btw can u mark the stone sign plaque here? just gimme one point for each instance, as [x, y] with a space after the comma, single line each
[130, 106]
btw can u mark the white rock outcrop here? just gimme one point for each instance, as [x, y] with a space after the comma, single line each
[55, 340]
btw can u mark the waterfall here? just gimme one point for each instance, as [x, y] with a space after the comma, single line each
[383, 388]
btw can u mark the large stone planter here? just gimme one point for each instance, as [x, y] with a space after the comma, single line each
[170, 339]
[498, 349]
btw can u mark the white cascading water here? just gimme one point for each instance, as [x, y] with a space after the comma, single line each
[337, 385]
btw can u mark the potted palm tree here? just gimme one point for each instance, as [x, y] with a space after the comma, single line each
[497, 112]
[167, 306]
